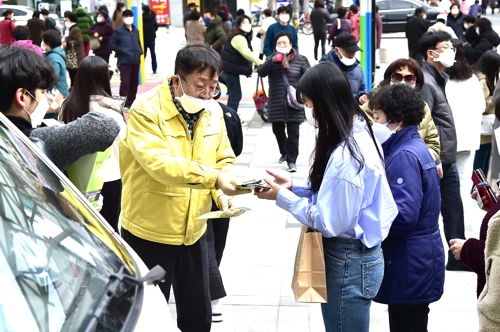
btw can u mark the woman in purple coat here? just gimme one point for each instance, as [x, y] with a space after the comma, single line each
[413, 250]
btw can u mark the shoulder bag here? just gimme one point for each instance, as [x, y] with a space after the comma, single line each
[71, 57]
[291, 93]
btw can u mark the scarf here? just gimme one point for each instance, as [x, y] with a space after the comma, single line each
[285, 59]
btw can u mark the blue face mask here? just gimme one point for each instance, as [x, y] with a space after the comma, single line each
[206, 20]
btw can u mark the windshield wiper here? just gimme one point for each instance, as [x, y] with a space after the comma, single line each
[155, 275]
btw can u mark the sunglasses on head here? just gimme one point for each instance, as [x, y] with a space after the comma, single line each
[409, 79]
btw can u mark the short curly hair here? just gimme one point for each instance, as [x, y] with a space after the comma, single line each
[399, 102]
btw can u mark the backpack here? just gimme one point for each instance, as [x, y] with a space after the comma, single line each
[53, 25]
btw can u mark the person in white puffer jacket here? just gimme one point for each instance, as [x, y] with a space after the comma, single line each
[466, 99]
[92, 93]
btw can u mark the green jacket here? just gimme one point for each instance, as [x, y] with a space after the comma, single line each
[215, 35]
[84, 22]
[426, 129]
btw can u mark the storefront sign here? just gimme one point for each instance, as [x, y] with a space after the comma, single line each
[162, 11]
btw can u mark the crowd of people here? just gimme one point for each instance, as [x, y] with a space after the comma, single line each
[388, 160]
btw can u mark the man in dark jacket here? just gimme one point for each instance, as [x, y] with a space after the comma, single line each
[149, 28]
[50, 23]
[36, 27]
[126, 43]
[438, 51]
[215, 35]
[343, 56]
[415, 29]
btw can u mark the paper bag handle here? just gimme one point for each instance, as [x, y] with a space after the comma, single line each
[309, 218]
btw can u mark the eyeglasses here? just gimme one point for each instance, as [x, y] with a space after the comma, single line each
[446, 48]
[409, 79]
[202, 92]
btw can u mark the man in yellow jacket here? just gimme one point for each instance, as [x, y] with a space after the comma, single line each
[175, 158]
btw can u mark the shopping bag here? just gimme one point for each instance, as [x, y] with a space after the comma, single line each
[260, 98]
[309, 274]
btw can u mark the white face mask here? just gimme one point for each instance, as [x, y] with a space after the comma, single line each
[284, 18]
[68, 24]
[454, 11]
[309, 116]
[190, 104]
[99, 19]
[403, 82]
[38, 114]
[477, 31]
[284, 50]
[128, 20]
[424, 17]
[346, 61]
[382, 132]
[447, 58]
[246, 27]
[44, 48]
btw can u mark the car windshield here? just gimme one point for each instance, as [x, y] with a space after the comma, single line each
[56, 256]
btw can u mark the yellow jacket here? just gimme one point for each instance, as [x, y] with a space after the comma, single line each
[168, 178]
[426, 129]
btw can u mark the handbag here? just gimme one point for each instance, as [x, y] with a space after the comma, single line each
[71, 57]
[309, 273]
[291, 93]
[94, 44]
[487, 122]
[260, 98]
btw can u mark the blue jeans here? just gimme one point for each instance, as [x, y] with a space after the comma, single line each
[354, 274]
[482, 158]
[151, 46]
[233, 90]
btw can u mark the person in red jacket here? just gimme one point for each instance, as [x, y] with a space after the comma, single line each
[6, 28]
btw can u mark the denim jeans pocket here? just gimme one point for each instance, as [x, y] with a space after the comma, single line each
[373, 273]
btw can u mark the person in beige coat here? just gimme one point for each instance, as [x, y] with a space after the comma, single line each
[266, 22]
[195, 29]
[489, 299]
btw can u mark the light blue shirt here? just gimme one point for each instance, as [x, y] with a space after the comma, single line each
[349, 204]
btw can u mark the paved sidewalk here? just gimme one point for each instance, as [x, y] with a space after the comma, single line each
[258, 260]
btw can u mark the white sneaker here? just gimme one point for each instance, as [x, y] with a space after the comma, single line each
[216, 312]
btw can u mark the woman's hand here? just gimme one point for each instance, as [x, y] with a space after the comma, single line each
[96, 34]
[456, 247]
[363, 99]
[284, 179]
[100, 38]
[271, 193]
[483, 199]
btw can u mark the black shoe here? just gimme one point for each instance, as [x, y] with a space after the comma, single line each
[457, 265]
[282, 159]
[292, 168]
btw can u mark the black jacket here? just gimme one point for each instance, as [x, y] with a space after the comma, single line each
[484, 42]
[278, 109]
[149, 27]
[415, 28]
[186, 17]
[456, 23]
[434, 95]
[319, 17]
[233, 128]
[127, 45]
[233, 61]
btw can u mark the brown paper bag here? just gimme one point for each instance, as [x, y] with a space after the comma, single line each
[309, 275]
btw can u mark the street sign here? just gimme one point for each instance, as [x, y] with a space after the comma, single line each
[162, 11]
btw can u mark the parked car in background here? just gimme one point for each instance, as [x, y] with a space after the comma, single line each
[395, 13]
[23, 13]
[62, 268]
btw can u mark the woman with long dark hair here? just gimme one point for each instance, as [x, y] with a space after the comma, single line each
[92, 92]
[487, 69]
[347, 198]
[237, 58]
[117, 19]
[466, 114]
